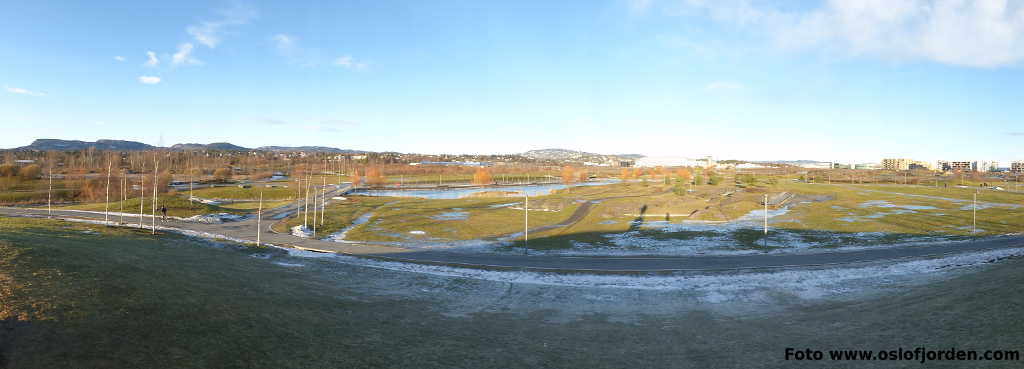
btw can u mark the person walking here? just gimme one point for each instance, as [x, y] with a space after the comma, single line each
[163, 210]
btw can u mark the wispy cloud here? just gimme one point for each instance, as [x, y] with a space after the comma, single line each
[955, 32]
[151, 60]
[1016, 134]
[119, 58]
[349, 62]
[22, 91]
[210, 33]
[283, 42]
[184, 55]
[723, 86]
[149, 80]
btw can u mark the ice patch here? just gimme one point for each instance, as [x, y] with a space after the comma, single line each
[451, 215]
[339, 236]
[810, 284]
[417, 232]
[302, 231]
[214, 218]
[886, 204]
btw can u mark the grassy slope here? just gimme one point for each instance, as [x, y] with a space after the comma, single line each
[177, 205]
[236, 193]
[124, 299]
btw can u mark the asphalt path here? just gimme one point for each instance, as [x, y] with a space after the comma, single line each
[247, 230]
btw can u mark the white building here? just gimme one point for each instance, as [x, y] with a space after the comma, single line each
[675, 161]
[1017, 167]
[985, 166]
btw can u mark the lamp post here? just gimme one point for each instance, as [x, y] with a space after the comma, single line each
[259, 219]
[526, 222]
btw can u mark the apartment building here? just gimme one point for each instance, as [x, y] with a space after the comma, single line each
[896, 164]
[1017, 167]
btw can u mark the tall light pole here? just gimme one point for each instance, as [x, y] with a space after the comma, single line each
[766, 214]
[323, 202]
[124, 182]
[526, 222]
[156, 183]
[259, 219]
[305, 215]
[106, 204]
[49, 193]
[974, 225]
[142, 193]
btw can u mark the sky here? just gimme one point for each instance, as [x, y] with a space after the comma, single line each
[757, 80]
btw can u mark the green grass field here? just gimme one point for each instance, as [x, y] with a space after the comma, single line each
[87, 296]
[237, 193]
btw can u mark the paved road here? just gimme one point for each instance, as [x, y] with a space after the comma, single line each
[246, 230]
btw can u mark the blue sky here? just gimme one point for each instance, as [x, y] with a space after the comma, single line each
[842, 80]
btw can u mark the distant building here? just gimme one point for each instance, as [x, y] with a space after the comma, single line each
[816, 165]
[675, 161]
[948, 166]
[1017, 167]
[985, 166]
[896, 164]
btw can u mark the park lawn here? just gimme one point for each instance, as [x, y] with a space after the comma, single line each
[452, 219]
[237, 193]
[177, 206]
[851, 212]
[84, 296]
[339, 214]
[254, 205]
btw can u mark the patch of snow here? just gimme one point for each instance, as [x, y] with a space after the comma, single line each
[339, 236]
[216, 218]
[417, 232]
[451, 215]
[302, 231]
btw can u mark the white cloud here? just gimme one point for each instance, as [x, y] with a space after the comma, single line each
[184, 55]
[210, 33]
[283, 42]
[22, 91]
[149, 80]
[151, 59]
[349, 62]
[984, 33]
[723, 86]
[119, 58]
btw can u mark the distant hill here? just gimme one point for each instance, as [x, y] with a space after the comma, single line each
[49, 144]
[309, 149]
[216, 146]
[572, 155]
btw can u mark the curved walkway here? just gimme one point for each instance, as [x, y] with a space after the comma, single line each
[246, 231]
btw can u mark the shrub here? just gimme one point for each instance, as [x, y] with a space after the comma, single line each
[222, 174]
[29, 172]
[8, 170]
